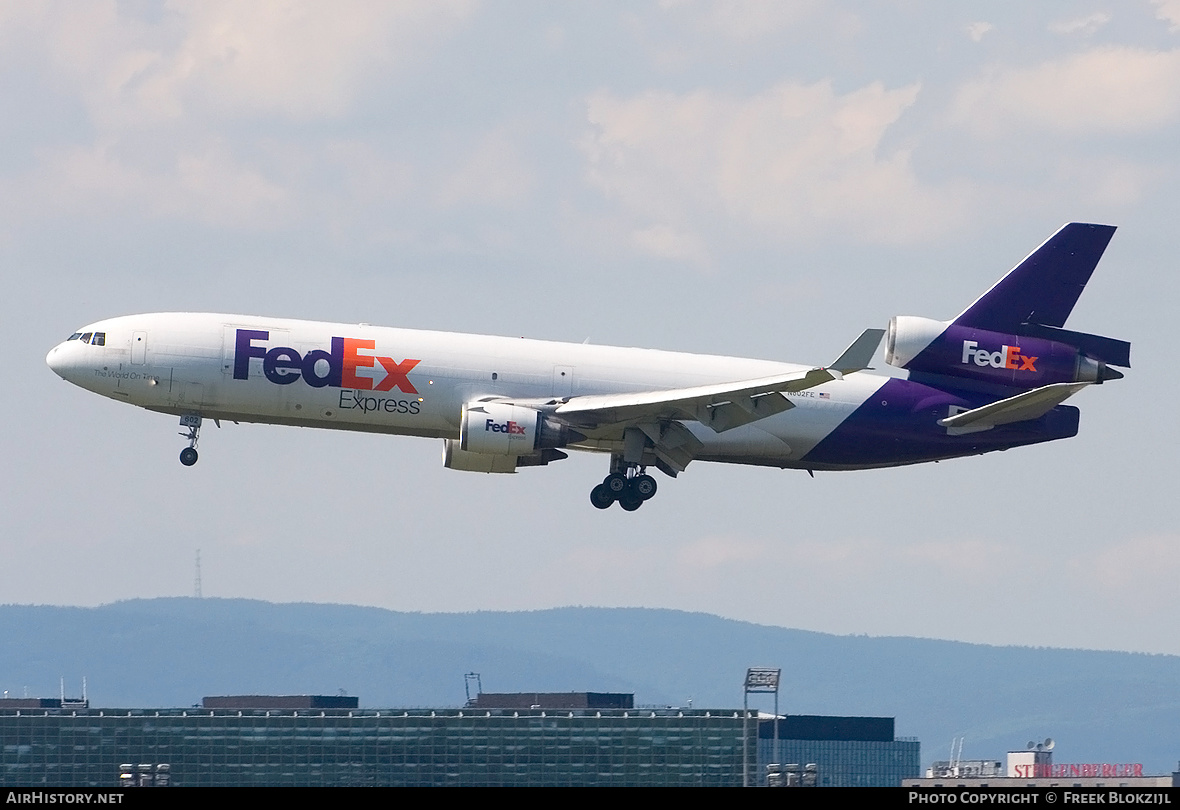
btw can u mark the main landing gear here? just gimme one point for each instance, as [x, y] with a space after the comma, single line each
[188, 456]
[630, 486]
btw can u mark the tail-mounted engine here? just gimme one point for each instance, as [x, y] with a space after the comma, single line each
[499, 437]
[1015, 360]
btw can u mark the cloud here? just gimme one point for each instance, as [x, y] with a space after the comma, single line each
[196, 109]
[743, 19]
[977, 30]
[1081, 25]
[1135, 576]
[704, 556]
[296, 60]
[207, 185]
[1103, 90]
[1168, 10]
[493, 173]
[668, 243]
[794, 160]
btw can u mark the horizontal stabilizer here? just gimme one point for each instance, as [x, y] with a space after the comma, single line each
[1020, 408]
[1109, 350]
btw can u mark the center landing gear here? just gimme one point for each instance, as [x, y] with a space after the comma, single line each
[629, 484]
[188, 456]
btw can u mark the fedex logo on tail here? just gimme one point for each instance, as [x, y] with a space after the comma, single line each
[336, 368]
[1007, 357]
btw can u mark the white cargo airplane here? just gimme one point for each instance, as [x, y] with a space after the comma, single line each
[990, 379]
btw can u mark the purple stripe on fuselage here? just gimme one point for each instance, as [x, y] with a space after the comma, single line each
[899, 425]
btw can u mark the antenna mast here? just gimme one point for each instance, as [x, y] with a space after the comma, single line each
[469, 679]
[197, 578]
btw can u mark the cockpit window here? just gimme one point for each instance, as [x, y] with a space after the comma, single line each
[93, 338]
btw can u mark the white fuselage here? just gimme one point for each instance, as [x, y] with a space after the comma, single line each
[413, 382]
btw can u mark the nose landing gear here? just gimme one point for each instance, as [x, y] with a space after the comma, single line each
[630, 485]
[188, 456]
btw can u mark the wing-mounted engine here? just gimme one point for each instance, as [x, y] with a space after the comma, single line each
[501, 436]
[1035, 356]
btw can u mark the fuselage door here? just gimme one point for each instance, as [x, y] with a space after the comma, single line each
[138, 348]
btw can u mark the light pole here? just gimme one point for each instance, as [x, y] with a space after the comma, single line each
[758, 679]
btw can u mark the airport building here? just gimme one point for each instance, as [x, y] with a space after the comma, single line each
[1034, 767]
[316, 741]
[847, 751]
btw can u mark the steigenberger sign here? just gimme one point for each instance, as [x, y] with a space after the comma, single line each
[1095, 770]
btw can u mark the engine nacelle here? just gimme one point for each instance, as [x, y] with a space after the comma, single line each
[1022, 361]
[908, 336]
[499, 437]
[499, 429]
[456, 458]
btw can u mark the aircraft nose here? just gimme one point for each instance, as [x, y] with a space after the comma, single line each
[56, 360]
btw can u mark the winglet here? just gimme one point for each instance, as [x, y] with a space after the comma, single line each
[858, 356]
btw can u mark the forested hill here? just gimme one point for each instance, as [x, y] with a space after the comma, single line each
[1099, 706]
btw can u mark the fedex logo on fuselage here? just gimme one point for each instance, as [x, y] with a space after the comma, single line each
[336, 368]
[1006, 357]
[509, 427]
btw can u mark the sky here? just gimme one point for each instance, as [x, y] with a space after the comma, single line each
[755, 179]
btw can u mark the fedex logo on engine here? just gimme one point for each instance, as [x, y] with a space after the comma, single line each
[509, 427]
[1006, 357]
[337, 368]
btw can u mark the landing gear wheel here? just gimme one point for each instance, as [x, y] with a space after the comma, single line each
[630, 502]
[601, 498]
[628, 483]
[192, 421]
[616, 484]
[644, 486]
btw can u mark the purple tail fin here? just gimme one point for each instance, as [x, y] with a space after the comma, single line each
[1012, 335]
[1042, 289]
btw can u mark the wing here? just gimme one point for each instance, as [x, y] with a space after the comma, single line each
[720, 406]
